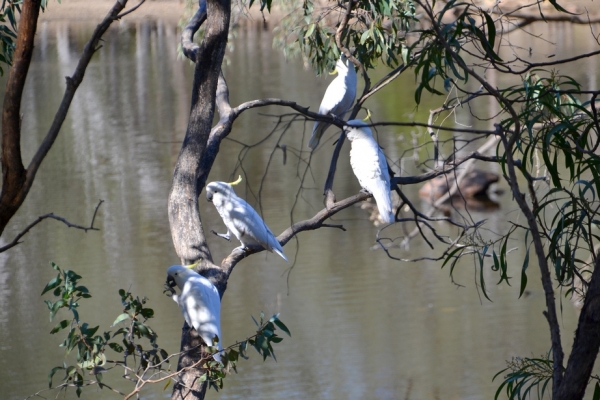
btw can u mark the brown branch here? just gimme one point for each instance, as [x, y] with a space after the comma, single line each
[131, 10]
[73, 83]
[383, 82]
[557, 350]
[17, 181]
[586, 344]
[531, 66]
[187, 230]
[190, 49]
[51, 215]
[536, 17]
[14, 174]
[316, 222]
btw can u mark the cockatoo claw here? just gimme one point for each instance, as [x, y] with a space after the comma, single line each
[222, 235]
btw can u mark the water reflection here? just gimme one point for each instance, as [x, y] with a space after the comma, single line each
[363, 325]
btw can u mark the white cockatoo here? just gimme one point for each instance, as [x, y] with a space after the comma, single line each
[241, 219]
[199, 302]
[338, 98]
[370, 166]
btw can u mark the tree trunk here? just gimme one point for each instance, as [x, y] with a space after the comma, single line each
[184, 217]
[13, 171]
[586, 343]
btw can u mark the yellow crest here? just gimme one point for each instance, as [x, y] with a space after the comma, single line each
[239, 179]
[368, 117]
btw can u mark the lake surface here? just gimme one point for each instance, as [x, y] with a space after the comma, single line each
[363, 325]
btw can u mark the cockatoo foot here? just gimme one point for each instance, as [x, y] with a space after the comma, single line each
[222, 235]
[241, 248]
[364, 191]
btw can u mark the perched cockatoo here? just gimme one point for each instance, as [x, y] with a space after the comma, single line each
[241, 219]
[199, 302]
[338, 98]
[370, 166]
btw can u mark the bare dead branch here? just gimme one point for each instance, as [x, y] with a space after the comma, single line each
[15, 241]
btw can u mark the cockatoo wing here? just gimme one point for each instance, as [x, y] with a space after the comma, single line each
[250, 228]
[371, 169]
[201, 307]
[338, 99]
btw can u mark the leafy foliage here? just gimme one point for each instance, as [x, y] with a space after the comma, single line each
[261, 341]
[523, 376]
[91, 348]
[8, 30]
[375, 32]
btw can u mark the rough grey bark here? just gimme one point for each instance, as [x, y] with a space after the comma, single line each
[184, 217]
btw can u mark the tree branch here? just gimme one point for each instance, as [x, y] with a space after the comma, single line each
[316, 222]
[13, 171]
[51, 215]
[190, 49]
[586, 343]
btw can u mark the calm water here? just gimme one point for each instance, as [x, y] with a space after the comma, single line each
[363, 326]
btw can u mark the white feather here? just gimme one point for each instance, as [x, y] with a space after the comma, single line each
[200, 304]
[370, 167]
[241, 219]
[338, 98]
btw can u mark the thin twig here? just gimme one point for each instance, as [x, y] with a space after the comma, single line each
[52, 216]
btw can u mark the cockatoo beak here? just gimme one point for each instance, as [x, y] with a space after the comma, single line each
[169, 285]
[209, 196]
[335, 71]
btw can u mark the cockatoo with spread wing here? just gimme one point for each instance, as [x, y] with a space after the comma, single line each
[199, 302]
[370, 166]
[241, 219]
[338, 98]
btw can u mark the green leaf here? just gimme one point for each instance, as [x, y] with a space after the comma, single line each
[491, 28]
[558, 7]
[59, 304]
[147, 313]
[523, 274]
[82, 289]
[120, 318]
[61, 325]
[281, 325]
[142, 329]
[596, 392]
[90, 331]
[51, 374]
[310, 30]
[52, 284]
[71, 370]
